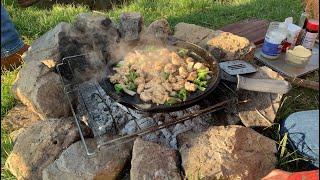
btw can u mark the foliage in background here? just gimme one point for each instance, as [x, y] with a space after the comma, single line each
[32, 22]
[208, 13]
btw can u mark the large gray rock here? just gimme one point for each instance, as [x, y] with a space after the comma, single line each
[261, 109]
[153, 161]
[159, 29]
[19, 117]
[39, 145]
[193, 33]
[39, 87]
[36, 85]
[74, 164]
[130, 26]
[99, 31]
[231, 152]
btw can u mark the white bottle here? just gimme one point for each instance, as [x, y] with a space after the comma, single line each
[276, 34]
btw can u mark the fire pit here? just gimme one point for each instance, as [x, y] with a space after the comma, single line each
[62, 82]
[113, 123]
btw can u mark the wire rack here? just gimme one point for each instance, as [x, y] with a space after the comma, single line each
[70, 84]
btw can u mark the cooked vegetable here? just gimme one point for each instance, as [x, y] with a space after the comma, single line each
[132, 75]
[182, 94]
[201, 84]
[202, 74]
[171, 101]
[131, 93]
[165, 75]
[131, 86]
[118, 88]
[183, 53]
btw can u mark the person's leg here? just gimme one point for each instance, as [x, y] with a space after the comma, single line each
[11, 44]
[303, 133]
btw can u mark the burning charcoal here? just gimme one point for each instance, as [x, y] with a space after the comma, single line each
[130, 26]
[180, 128]
[173, 143]
[129, 128]
[151, 137]
[145, 122]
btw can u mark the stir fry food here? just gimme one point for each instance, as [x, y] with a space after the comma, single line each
[160, 76]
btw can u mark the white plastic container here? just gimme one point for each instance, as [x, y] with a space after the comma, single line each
[276, 34]
[293, 33]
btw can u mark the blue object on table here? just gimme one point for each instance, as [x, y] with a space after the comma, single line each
[10, 39]
[303, 133]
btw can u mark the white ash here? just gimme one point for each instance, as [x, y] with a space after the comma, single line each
[129, 121]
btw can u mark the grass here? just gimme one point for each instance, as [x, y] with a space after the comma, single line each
[7, 102]
[32, 22]
[211, 14]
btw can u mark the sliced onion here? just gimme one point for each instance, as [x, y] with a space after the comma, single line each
[144, 106]
[131, 93]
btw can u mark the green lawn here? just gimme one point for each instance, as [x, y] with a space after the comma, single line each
[32, 22]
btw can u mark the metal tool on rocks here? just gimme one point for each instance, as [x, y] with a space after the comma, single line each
[231, 71]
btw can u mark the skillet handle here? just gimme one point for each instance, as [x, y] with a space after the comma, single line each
[263, 85]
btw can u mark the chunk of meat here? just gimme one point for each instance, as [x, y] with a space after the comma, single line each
[145, 96]
[178, 85]
[164, 52]
[189, 60]
[190, 86]
[155, 81]
[167, 86]
[169, 68]
[179, 78]
[183, 72]
[159, 96]
[176, 59]
[198, 65]
[190, 66]
[172, 79]
[139, 80]
[158, 65]
[115, 78]
[140, 88]
[148, 78]
[122, 70]
[192, 76]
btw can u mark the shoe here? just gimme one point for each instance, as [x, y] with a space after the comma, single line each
[13, 61]
[26, 3]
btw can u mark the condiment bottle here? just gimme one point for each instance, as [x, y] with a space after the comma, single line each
[311, 33]
[276, 34]
[292, 36]
[302, 23]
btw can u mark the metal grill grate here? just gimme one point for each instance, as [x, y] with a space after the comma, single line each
[87, 104]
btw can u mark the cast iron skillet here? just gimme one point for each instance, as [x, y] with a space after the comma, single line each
[134, 102]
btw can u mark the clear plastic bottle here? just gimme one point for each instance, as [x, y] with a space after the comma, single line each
[276, 35]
